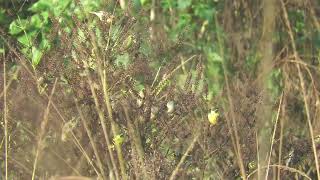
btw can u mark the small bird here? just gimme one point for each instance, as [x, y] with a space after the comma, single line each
[213, 117]
[170, 106]
[101, 14]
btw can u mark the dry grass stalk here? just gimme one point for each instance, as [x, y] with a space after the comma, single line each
[293, 170]
[43, 128]
[302, 85]
[102, 120]
[232, 125]
[10, 80]
[273, 136]
[22, 60]
[114, 126]
[5, 110]
[92, 142]
[137, 144]
[281, 139]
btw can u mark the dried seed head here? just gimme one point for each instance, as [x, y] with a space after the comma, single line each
[154, 111]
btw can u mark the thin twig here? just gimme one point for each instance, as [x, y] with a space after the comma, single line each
[156, 77]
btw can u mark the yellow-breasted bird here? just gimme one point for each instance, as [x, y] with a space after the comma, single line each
[213, 117]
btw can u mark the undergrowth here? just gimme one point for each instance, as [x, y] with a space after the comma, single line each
[170, 90]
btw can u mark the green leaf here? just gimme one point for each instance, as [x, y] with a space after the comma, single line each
[143, 2]
[204, 11]
[145, 49]
[27, 51]
[168, 4]
[61, 5]
[136, 4]
[36, 56]
[316, 39]
[44, 44]
[3, 17]
[274, 82]
[42, 5]
[214, 57]
[18, 26]
[88, 5]
[45, 16]
[138, 86]
[26, 38]
[123, 60]
[183, 4]
[127, 43]
[36, 21]
[115, 32]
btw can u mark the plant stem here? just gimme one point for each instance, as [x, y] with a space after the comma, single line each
[5, 118]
